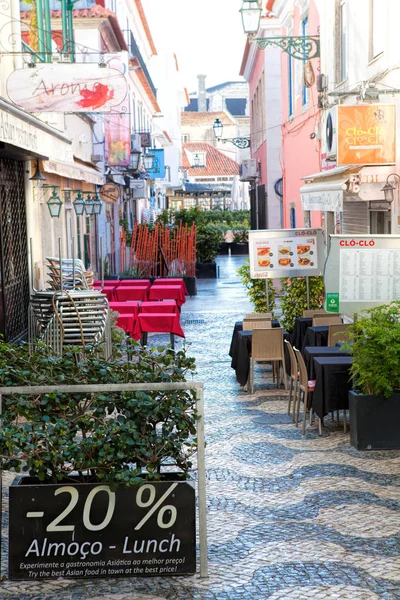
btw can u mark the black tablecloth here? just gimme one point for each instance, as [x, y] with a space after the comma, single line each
[300, 327]
[240, 353]
[310, 352]
[239, 327]
[316, 336]
[333, 382]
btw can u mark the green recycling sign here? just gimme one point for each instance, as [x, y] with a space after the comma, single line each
[332, 302]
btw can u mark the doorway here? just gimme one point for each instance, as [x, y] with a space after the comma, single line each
[380, 222]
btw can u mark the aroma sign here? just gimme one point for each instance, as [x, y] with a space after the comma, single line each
[67, 88]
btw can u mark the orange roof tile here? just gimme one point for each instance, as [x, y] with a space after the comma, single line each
[217, 164]
[193, 119]
[167, 136]
[145, 24]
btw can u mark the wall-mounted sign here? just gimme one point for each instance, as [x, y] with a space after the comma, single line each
[145, 140]
[139, 188]
[363, 271]
[67, 88]
[286, 253]
[158, 169]
[109, 193]
[366, 134]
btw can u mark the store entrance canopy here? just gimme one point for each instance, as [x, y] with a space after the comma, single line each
[324, 190]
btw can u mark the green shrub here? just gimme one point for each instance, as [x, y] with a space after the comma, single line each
[294, 298]
[375, 345]
[208, 240]
[256, 289]
[109, 437]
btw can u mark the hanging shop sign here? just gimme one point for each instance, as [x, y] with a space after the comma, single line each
[158, 169]
[109, 193]
[286, 253]
[118, 123]
[362, 271]
[145, 139]
[138, 186]
[67, 88]
[88, 530]
[366, 134]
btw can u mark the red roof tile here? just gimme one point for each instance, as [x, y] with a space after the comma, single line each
[217, 164]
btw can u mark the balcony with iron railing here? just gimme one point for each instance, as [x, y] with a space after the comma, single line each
[135, 52]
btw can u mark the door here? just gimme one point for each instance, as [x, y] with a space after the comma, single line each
[380, 221]
[14, 274]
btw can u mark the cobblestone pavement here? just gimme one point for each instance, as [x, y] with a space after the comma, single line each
[290, 517]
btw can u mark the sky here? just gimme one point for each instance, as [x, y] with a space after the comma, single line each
[206, 36]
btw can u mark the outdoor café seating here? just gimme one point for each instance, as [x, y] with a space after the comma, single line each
[267, 346]
[338, 332]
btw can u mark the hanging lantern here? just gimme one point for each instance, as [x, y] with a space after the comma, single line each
[79, 204]
[54, 204]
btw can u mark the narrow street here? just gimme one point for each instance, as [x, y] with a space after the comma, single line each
[289, 517]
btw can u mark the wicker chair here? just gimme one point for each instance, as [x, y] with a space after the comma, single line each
[331, 320]
[266, 315]
[293, 378]
[338, 333]
[305, 386]
[267, 345]
[310, 313]
[249, 324]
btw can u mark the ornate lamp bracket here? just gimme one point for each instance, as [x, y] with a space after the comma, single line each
[241, 143]
[299, 47]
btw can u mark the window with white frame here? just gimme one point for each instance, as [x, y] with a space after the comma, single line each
[377, 27]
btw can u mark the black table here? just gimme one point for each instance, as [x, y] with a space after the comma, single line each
[316, 336]
[332, 385]
[311, 352]
[240, 353]
[300, 327]
[239, 327]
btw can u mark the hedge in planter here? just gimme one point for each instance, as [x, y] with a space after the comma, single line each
[294, 298]
[256, 289]
[375, 401]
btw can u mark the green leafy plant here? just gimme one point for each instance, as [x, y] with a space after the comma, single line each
[208, 240]
[375, 345]
[294, 298]
[256, 289]
[113, 438]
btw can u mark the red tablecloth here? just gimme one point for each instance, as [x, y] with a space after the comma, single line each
[165, 306]
[107, 283]
[167, 292]
[171, 281]
[131, 292]
[127, 323]
[134, 282]
[125, 307]
[107, 291]
[157, 322]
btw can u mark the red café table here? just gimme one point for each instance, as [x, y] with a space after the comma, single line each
[164, 306]
[157, 323]
[126, 322]
[107, 283]
[167, 292]
[172, 281]
[125, 307]
[131, 292]
[108, 291]
[135, 282]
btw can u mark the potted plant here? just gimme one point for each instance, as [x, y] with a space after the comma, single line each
[375, 400]
[209, 238]
[92, 458]
[294, 298]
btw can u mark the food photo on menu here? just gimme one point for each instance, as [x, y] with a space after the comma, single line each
[263, 256]
[285, 256]
[304, 258]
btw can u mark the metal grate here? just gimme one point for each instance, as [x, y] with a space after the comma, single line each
[14, 275]
[194, 322]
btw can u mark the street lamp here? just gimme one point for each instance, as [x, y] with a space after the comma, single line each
[79, 204]
[134, 160]
[239, 142]
[98, 205]
[388, 188]
[148, 161]
[251, 14]
[54, 204]
[89, 204]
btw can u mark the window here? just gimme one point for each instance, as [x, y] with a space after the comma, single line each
[290, 84]
[377, 28]
[305, 95]
[341, 41]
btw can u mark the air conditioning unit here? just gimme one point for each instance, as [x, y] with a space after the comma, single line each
[136, 145]
[248, 170]
[96, 158]
[329, 134]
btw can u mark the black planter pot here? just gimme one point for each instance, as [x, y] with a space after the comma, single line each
[239, 248]
[191, 285]
[374, 422]
[85, 530]
[224, 248]
[114, 277]
[206, 270]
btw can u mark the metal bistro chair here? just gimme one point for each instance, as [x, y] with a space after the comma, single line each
[332, 320]
[249, 324]
[305, 386]
[338, 333]
[293, 378]
[267, 346]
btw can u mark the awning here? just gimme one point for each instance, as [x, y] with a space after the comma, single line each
[326, 193]
[74, 170]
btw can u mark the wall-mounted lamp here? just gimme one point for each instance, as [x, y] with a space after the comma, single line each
[89, 204]
[79, 204]
[251, 14]
[54, 203]
[148, 161]
[239, 142]
[388, 188]
[98, 205]
[37, 176]
[134, 160]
